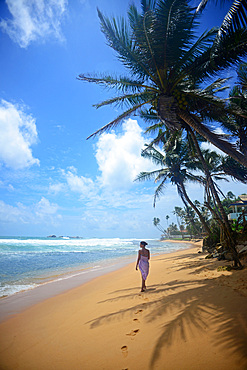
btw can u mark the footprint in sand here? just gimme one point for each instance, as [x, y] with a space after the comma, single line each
[124, 350]
[136, 320]
[133, 332]
[138, 311]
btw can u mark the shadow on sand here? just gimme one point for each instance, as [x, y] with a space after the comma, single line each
[197, 304]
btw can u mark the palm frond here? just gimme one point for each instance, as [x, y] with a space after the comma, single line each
[121, 83]
[225, 52]
[186, 63]
[235, 170]
[131, 99]
[143, 29]
[175, 26]
[148, 5]
[120, 38]
[149, 115]
[117, 120]
[147, 176]
[235, 19]
[201, 6]
[242, 76]
[154, 155]
[159, 191]
[217, 86]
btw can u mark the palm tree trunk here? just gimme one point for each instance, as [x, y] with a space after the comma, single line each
[213, 138]
[184, 193]
[227, 227]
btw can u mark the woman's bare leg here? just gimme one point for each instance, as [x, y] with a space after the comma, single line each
[143, 285]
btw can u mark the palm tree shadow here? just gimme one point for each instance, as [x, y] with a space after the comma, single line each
[196, 305]
[199, 309]
[196, 266]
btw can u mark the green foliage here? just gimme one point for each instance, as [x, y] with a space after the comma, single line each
[167, 67]
[224, 268]
[237, 227]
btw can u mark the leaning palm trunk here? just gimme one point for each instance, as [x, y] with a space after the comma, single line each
[225, 224]
[184, 194]
[213, 138]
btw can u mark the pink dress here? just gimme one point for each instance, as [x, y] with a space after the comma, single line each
[144, 266]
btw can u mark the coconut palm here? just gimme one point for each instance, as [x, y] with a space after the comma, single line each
[214, 166]
[156, 222]
[167, 67]
[175, 167]
[192, 223]
[178, 212]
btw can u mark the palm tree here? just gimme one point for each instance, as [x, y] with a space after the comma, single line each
[193, 225]
[174, 167]
[213, 165]
[167, 68]
[156, 222]
[167, 218]
[178, 213]
[230, 195]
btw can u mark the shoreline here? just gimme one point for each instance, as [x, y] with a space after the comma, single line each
[17, 302]
[192, 316]
[28, 276]
[20, 301]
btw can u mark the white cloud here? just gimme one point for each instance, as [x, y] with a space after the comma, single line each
[44, 207]
[33, 20]
[82, 185]
[17, 134]
[119, 156]
[119, 160]
[207, 145]
[56, 188]
[9, 213]
[39, 213]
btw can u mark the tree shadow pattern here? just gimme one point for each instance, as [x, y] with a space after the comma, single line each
[196, 303]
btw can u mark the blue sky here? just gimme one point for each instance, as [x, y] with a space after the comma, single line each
[53, 180]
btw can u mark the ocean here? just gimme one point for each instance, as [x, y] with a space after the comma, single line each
[27, 262]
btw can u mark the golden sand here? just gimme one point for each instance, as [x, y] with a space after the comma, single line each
[190, 317]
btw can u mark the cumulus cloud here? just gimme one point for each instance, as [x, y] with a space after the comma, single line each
[56, 188]
[44, 207]
[82, 185]
[17, 134]
[34, 20]
[119, 160]
[39, 213]
[119, 156]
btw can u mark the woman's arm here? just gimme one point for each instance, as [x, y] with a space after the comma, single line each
[138, 259]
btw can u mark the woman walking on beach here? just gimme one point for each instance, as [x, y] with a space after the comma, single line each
[143, 263]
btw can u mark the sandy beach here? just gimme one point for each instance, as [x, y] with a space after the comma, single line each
[190, 317]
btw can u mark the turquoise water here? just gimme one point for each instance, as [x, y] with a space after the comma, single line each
[28, 262]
